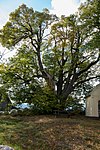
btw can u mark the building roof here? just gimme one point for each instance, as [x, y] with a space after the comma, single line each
[97, 87]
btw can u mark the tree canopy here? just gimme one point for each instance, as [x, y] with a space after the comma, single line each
[62, 52]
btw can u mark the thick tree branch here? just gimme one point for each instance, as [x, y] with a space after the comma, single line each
[90, 65]
[85, 80]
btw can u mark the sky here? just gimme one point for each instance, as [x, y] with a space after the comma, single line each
[58, 7]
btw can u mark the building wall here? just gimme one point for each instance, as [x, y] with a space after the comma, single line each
[92, 102]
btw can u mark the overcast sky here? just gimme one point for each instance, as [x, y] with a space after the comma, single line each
[59, 7]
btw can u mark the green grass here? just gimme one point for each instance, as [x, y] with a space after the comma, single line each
[50, 133]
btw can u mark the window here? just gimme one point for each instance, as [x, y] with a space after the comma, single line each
[99, 108]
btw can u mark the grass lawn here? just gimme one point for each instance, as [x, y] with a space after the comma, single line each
[50, 133]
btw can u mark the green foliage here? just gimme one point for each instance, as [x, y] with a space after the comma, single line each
[44, 101]
[73, 104]
[24, 24]
[90, 19]
[18, 75]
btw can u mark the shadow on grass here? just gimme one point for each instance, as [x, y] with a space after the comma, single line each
[49, 133]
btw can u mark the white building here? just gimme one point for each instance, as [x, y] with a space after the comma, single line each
[93, 103]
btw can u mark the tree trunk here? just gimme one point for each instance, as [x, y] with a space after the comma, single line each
[48, 78]
[68, 88]
[60, 83]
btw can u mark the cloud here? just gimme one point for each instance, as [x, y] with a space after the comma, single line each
[65, 7]
[3, 17]
[4, 13]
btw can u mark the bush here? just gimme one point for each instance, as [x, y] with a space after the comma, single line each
[73, 106]
[44, 101]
